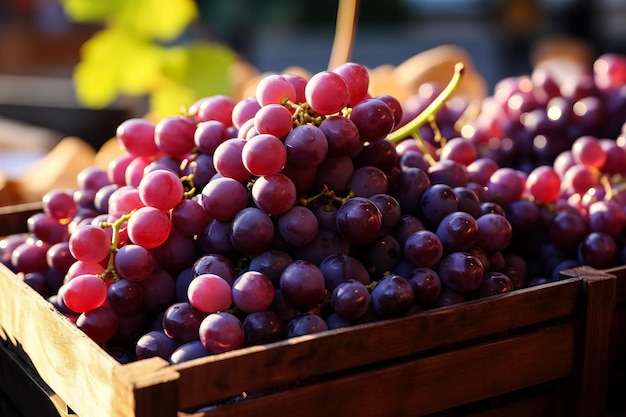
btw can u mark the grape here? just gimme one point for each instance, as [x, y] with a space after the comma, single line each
[273, 88]
[84, 293]
[373, 118]
[350, 299]
[133, 262]
[174, 135]
[380, 256]
[263, 327]
[368, 181]
[189, 217]
[155, 344]
[392, 296]
[306, 146]
[457, 231]
[89, 243]
[298, 226]
[188, 351]
[357, 79]
[337, 268]
[598, 250]
[461, 272]
[302, 284]
[59, 257]
[181, 321]
[159, 291]
[124, 200]
[125, 296]
[223, 198]
[274, 194]
[448, 172]
[161, 189]
[459, 150]
[406, 226]
[252, 292]
[408, 188]
[252, 231]
[271, 263]
[100, 324]
[209, 293]
[264, 154]
[342, 136]
[136, 136]
[389, 209]
[273, 119]
[92, 178]
[588, 151]
[217, 264]
[505, 185]
[607, 216]
[59, 204]
[218, 107]
[437, 201]
[228, 161]
[426, 285]
[327, 93]
[359, 221]
[304, 324]
[423, 248]
[334, 174]
[221, 332]
[149, 227]
[116, 169]
[494, 232]
[493, 283]
[299, 85]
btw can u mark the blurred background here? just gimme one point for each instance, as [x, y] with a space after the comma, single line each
[40, 47]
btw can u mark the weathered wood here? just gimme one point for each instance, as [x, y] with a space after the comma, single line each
[429, 384]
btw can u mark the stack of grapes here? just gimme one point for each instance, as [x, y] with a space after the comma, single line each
[308, 207]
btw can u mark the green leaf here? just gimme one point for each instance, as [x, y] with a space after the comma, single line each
[164, 20]
[169, 99]
[202, 67]
[92, 10]
[113, 62]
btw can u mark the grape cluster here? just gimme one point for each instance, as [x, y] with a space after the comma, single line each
[308, 207]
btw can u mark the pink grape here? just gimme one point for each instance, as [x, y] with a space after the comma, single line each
[161, 189]
[587, 150]
[59, 204]
[264, 154]
[209, 293]
[149, 227]
[136, 136]
[89, 243]
[221, 332]
[357, 78]
[273, 88]
[223, 198]
[327, 93]
[273, 119]
[228, 160]
[116, 169]
[84, 293]
[174, 135]
[218, 107]
[543, 184]
[245, 110]
[274, 194]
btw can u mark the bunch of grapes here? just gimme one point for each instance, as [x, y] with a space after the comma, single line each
[308, 207]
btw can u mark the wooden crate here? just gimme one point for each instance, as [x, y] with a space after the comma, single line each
[540, 351]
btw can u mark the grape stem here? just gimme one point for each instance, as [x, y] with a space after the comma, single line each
[115, 242]
[429, 112]
[345, 29]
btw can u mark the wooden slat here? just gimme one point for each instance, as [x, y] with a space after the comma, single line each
[89, 380]
[212, 378]
[426, 385]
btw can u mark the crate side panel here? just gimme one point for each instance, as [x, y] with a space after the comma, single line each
[262, 367]
[430, 384]
[72, 365]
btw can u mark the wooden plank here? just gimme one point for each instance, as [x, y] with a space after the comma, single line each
[79, 371]
[594, 363]
[427, 385]
[212, 378]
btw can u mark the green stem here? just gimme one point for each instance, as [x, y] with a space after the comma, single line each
[411, 127]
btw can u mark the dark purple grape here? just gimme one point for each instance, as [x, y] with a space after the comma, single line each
[181, 321]
[125, 296]
[252, 231]
[188, 351]
[381, 256]
[100, 324]
[155, 344]
[373, 118]
[217, 264]
[408, 189]
[448, 172]
[381, 154]
[426, 286]
[493, 283]
[461, 272]
[326, 243]
[567, 229]
[367, 181]
[406, 226]
[457, 231]
[598, 250]
[350, 299]
[469, 201]
[437, 202]
[263, 327]
[342, 135]
[298, 226]
[494, 232]
[423, 248]
[389, 209]
[359, 221]
[392, 296]
[271, 263]
[307, 323]
[302, 284]
[215, 238]
[339, 267]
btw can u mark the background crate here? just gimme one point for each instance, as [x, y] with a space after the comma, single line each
[540, 351]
